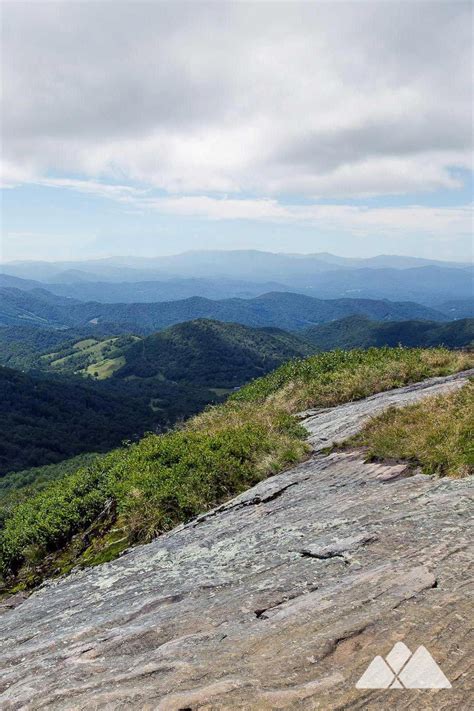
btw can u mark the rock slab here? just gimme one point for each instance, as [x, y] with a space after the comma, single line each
[278, 599]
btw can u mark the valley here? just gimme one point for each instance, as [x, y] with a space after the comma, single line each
[114, 367]
[125, 419]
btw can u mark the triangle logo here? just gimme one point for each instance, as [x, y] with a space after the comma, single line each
[378, 675]
[403, 670]
[422, 672]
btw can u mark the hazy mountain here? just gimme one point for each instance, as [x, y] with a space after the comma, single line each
[218, 275]
[427, 284]
[37, 307]
[361, 332]
[147, 291]
[460, 308]
[289, 311]
[247, 265]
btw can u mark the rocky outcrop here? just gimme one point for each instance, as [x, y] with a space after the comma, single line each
[336, 424]
[278, 599]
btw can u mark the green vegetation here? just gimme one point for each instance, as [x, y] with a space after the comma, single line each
[332, 378]
[20, 346]
[143, 489]
[19, 486]
[361, 332]
[436, 434]
[36, 478]
[44, 420]
[153, 485]
[141, 384]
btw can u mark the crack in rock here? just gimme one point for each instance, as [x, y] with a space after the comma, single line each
[326, 556]
[254, 501]
[338, 549]
[261, 612]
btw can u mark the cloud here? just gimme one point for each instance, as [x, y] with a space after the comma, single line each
[321, 99]
[359, 221]
[352, 219]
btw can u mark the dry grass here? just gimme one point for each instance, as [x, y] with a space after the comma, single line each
[436, 434]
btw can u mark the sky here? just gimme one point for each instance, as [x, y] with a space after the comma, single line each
[149, 128]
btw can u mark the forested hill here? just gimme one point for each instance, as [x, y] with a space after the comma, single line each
[201, 351]
[211, 353]
[289, 311]
[361, 332]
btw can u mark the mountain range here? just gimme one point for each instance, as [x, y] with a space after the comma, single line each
[143, 343]
[235, 264]
[245, 274]
[289, 311]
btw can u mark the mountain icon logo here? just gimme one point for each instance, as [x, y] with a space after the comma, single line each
[403, 670]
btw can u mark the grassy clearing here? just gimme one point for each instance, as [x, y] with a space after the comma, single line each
[103, 369]
[436, 435]
[149, 487]
[90, 357]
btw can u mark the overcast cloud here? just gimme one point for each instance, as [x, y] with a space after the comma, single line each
[318, 100]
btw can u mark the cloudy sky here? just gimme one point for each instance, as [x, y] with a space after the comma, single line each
[155, 127]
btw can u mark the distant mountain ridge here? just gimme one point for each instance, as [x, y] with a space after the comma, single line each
[212, 263]
[245, 274]
[289, 311]
[146, 291]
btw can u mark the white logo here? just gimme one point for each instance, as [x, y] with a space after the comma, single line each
[403, 670]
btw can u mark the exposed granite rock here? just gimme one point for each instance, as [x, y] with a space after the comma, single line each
[277, 600]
